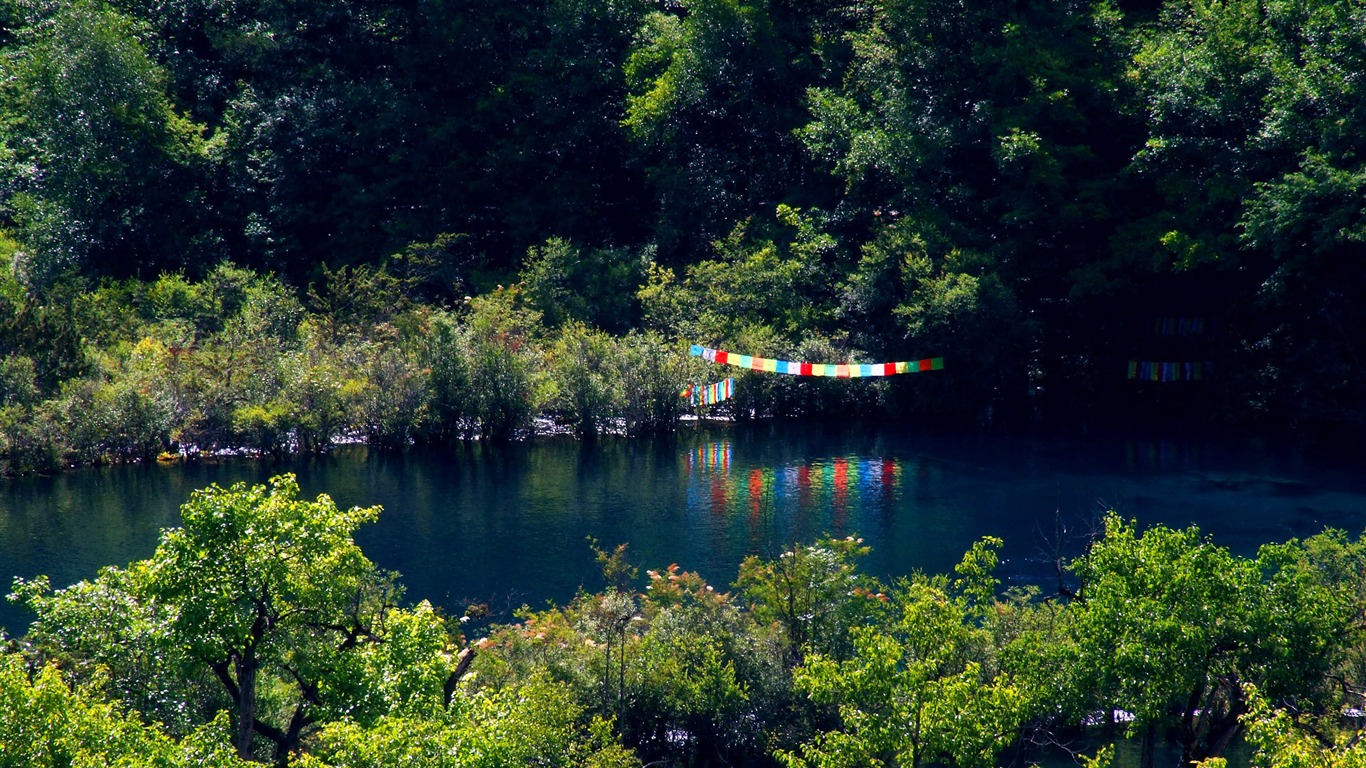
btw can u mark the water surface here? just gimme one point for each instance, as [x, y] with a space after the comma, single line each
[507, 527]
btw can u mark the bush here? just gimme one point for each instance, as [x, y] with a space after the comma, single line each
[391, 401]
[30, 440]
[585, 371]
[18, 383]
[653, 374]
[444, 355]
[265, 428]
[312, 380]
[505, 386]
[597, 287]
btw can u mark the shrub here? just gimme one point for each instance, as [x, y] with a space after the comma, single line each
[653, 374]
[585, 370]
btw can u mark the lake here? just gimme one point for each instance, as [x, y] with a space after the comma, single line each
[507, 526]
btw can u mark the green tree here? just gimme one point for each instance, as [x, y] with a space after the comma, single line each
[585, 370]
[534, 723]
[918, 688]
[653, 374]
[1172, 627]
[1249, 106]
[266, 596]
[260, 581]
[714, 94]
[443, 353]
[597, 286]
[506, 387]
[814, 595]
[103, 633]
[100, 170]
[1284, 741]
[1162, 622]
[44, 723]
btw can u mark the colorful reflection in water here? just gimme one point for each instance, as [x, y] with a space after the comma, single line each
[842, 486]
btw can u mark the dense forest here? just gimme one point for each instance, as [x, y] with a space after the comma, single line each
[270, 225]
[259, 631]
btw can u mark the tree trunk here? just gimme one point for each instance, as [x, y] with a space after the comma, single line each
[245, 667]
[1190, 748]
[1149, 746]
[607, 676]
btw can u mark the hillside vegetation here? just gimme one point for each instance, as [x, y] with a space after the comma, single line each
[267, 225]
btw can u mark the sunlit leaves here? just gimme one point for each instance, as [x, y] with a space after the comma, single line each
[536, 723]
[912, 692]
[814, 594]
[46, 724]
[1168, 623]
[1162, 612]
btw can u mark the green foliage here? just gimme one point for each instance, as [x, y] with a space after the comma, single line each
[260, 624]
[502, 364]
[1283, 742]
[1166, 623]
[46, 724]
[104, 631]
[1163, 622]
[814, 595]
[1016, 187]
[101, 170]
[653, 374]
[1307, 624]
[586, 372]
[18, 386]
[537, 723]
[752, 281]
[918, 302]
[679, 669]
[272, 595]
[389, 402]
[442, 353]
[1249, 105]
[912, 691]
[356, 300]
[596, 286]
[695, 70]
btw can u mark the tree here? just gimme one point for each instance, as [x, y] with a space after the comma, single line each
[585, 370]
[1172, 628]
[502, 372]
[1261, 178]
[714, 94]
[597, 286]
[814, 595]
[100, 171]
[258, 581]
[1283, 740]
[534, 723]
[269, 597]
[918, 688]
[45, 723]
[987, 141]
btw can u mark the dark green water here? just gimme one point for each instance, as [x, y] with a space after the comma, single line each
[507, 527]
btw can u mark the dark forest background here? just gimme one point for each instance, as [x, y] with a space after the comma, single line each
[1057, 197]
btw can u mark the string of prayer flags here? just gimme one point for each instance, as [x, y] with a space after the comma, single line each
[710, 394]
[1179, 326]
[1143, 370]
[793, 368]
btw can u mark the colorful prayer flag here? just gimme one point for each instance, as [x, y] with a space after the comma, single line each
[710, 394]
[795, 368]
